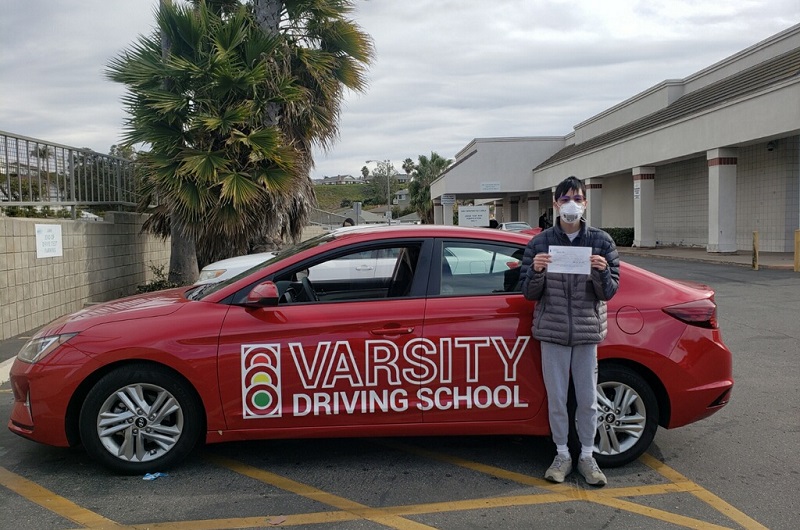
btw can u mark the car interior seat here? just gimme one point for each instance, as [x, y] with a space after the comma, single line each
[402, 276]
[447, 278]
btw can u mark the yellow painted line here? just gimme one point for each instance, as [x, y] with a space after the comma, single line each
[606, 496]
[475, 466]
[654, 513]
[52, 502]
[362, 511]
[5, 390]
[266, 521]
[703, 494]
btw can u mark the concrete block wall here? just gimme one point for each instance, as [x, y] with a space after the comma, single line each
[101, 261]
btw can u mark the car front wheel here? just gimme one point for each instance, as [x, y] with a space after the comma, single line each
[140, 418]
[627, 418]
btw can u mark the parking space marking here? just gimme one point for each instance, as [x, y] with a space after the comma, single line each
[609, 496]
[362, 511]
[53, 502]
[394, 516]
[252, 522]
[703, 494]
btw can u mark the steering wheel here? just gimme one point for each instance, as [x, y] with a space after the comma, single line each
[308, 290]
[287, 297]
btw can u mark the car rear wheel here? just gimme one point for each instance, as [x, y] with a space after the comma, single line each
[140, 418]
[627, 416]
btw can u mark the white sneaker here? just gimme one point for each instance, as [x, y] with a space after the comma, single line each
[591, 472]
[559, 469]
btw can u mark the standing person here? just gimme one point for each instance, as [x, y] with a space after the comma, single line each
[544, 224]
[569, 321]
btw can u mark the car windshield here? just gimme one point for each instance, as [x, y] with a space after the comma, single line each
[201, 291]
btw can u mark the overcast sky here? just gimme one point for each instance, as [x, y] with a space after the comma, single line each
[445, 71]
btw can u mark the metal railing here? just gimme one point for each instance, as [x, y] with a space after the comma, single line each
[36, 173]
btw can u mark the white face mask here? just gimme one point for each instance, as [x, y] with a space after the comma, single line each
[571, 212]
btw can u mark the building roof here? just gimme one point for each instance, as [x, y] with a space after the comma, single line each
[761, 76]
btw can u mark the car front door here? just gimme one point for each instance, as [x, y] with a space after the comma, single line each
[317, 363]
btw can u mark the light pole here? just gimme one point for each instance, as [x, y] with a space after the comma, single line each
[386, 164]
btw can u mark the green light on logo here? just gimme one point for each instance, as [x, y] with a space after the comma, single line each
[262, 400]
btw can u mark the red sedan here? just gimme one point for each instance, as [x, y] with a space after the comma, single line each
[441, 345]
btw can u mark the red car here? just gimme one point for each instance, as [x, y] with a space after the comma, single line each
[441, 346]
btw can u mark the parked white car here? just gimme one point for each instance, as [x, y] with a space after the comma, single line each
[228, 268]
[515, 226]
[361, 265]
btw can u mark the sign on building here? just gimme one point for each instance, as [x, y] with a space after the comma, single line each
[473, 216]
[48, 241]
[448, 198]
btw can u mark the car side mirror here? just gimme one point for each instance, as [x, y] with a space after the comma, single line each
[264, 294]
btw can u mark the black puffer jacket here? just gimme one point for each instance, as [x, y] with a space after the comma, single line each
[571, 308]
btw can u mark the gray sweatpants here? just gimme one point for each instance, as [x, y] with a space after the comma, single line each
[557, 363]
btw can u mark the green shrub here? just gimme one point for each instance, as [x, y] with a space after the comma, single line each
[623, 237]
[160, 282]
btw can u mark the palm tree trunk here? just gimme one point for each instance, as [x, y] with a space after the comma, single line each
[268, 14]
[183, 269]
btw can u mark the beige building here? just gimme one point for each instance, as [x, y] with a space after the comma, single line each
[701, 161]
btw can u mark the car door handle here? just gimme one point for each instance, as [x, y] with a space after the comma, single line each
[393, 331]
[364, 268]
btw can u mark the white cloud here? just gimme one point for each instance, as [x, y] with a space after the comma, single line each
[445, 72]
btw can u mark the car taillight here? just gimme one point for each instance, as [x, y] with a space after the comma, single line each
[702, 313]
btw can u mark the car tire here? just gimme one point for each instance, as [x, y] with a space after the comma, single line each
[140, 418]
[627, 416]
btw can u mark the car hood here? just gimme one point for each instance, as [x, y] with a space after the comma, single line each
[155, 304]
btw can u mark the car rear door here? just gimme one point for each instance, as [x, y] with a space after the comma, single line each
[490, 367]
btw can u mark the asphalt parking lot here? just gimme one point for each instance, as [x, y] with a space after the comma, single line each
[736, 469]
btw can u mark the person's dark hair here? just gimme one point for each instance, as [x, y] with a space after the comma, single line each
[493, 223]
[349, 222]
[569, 183]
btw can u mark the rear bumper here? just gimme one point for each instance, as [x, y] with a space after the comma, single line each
[706, 383]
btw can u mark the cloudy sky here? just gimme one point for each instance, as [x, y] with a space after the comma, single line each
[445, 72]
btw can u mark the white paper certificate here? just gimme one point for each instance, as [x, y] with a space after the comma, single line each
[570, 260]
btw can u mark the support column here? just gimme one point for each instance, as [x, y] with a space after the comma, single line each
[594, 195]
[721, 200]
[447, 214]
[533, 210]
[644, 225]
[437, 212]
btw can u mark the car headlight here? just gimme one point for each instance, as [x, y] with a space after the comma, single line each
[210, 274]
[39, 347]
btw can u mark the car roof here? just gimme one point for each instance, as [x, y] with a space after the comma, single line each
[413, 230]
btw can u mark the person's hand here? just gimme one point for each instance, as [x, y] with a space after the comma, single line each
[598, 262]
[541, 261]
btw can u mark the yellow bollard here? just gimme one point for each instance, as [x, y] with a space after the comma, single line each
[755, 250]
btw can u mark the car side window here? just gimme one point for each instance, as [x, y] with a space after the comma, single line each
[475, 269]
[376, 273]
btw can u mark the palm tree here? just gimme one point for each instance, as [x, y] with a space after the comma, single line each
[408, 166]
[223, 163]
[426, 171]
[326, 53]
[43, 152]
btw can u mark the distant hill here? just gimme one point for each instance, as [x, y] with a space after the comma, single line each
[329, 198]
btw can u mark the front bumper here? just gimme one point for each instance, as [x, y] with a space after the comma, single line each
[42, 394]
